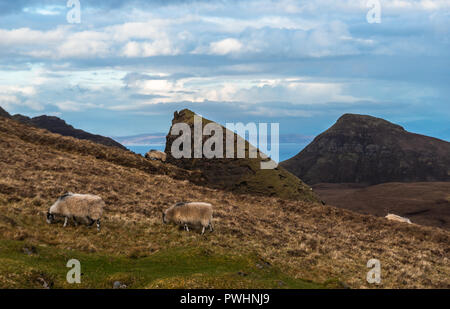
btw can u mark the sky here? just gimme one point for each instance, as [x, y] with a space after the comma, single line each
[128, 65]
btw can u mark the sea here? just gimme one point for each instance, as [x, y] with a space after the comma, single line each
[287, 150]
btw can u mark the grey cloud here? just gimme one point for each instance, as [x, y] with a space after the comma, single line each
[132, 77]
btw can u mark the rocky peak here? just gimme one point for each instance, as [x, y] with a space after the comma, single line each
[241, 175]
[366, 149]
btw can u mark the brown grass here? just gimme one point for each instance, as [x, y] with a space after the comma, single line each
[305, 240]
[425, 203]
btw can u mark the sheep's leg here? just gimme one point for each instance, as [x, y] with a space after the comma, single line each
[75, 221]
[98, 225]
[65, 222]
[203, 230]
[211, 227]
[91, 221]
[186, 227]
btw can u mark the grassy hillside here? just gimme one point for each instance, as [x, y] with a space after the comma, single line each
[23, 265]
[276, 242]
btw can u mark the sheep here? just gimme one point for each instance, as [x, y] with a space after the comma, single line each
[397, 218]
[86, 207]
[190, 213]
[156, 155]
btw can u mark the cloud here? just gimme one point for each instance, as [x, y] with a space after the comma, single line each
[133, 77]
[295, 91]
[225, 47]
[71, 106]
[17, 38]
[148, 49]
[243, 60]
[210, 29]
[12, 96]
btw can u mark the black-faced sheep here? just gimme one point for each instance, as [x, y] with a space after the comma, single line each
[156, 155]
[190, 214]
[78, 207]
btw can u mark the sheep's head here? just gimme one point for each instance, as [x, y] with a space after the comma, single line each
[50, 218]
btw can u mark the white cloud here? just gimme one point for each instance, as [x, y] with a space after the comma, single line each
[84, 44]
[25, 36]
[250, 90]
[295, 91]
[20, 90]
[65, 42]
[161, 47]
[225, 47]
[8, 99]
[12, 96]
[50, 10]
[132, 49]
[286, 28]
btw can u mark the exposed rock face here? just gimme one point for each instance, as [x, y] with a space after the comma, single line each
[59, 126]
[365, 149]
[241, 175]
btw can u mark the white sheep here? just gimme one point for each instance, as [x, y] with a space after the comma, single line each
[190, 214]
[86, 207]
[156, 155]
[397, 218]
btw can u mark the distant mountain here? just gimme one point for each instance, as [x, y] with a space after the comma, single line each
[365, 149]
[59, 126]
[241, 175]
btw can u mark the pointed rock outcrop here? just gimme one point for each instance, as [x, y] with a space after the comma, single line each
[241, 175]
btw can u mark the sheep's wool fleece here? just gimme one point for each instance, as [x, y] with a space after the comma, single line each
[79, 205]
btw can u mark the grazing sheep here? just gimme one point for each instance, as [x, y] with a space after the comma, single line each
[398, 218]
[156, 155]
[190, 213]
[85, 207]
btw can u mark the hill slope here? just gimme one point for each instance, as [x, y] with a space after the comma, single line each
[14, 130]
[59, 126]
[258, 241]
[425, 203]
[365, 149]
[242, 175]
[4, 113]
